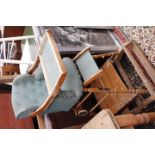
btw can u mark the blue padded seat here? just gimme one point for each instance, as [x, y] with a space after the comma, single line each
[29, 92]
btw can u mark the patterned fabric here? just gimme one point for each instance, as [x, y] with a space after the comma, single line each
[145, 37]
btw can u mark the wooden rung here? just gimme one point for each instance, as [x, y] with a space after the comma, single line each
[94, 107]
[107, 90]
[84, 99]
[105, 55]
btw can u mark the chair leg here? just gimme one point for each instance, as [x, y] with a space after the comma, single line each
[128, 120]
[41, 123]
[96, 105]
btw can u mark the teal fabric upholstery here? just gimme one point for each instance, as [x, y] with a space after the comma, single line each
[29, 92]
[39, 73]
[87, 66]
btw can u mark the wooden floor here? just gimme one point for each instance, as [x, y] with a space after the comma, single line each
[7, 118]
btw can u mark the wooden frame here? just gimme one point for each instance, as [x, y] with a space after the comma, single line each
[146, 72]
[92, 78]
[130, 86]
[106, 120]
[69, 49]
[63, 72]
[98, 77]
[143, 68]
[81, 53]
[87, 82]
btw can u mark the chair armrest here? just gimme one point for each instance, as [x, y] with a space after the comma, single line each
[81, 53]
[45, 105]
[34, 66]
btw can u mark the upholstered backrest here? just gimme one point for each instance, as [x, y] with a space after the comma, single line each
[39, 73]
[87, 67]
[51, 62]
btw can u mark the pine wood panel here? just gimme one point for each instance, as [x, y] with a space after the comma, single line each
[110, 79]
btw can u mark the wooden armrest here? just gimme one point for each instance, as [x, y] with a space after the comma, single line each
[92, 78]
[45, 105]
[81, 53]
[34, 66]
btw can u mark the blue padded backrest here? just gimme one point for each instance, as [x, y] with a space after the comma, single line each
[39, 73]
[87, 66]
[50, 66]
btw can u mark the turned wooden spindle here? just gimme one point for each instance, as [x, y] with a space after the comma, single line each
[105, 55]
[128, 120]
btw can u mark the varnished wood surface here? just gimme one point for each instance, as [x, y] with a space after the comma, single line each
[6, 70]
[103, 120]
[110, 79]
[7, 117]
[128, 120]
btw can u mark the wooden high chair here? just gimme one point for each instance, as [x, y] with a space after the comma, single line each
[105, 82]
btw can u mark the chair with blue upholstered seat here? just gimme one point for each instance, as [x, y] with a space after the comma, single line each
[54, 86]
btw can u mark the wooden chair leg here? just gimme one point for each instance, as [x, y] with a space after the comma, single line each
[41, 123]
[128, 120]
